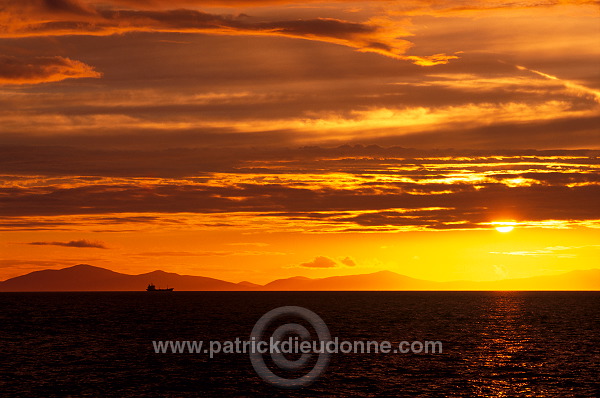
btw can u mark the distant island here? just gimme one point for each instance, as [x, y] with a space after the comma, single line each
[85, 277]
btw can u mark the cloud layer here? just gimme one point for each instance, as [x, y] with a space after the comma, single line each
[318, 189]
[67, 17]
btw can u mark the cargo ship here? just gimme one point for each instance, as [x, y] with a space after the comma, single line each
[152, 288]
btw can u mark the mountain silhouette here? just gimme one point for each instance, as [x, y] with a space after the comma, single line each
[250, 285]
[85, 277]
[382, 280]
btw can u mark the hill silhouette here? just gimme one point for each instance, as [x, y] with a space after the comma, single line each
[84, 277]
[382, 280]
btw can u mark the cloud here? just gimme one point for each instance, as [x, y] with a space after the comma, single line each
[500, 270]
[36, 18]
[160, 4]
[466, 8]
[450, 109]
[37, 70]
[82, 243]
[348, 261]
[578, 88]
[416, 5]
[319, 262]
[558, 251]
[381, 188]
[208, 253]
[326, 262]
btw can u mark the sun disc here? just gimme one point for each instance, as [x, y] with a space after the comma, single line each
[505, 228]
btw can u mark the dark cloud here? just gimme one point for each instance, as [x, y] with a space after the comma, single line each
[562, 132]
[62, 6]
[160, 4]
[200, 163]
[426, 7]
[319, 262]
[82, 243]
[60, 18]
[36, 70]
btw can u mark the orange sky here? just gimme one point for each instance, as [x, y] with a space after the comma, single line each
[255, 140]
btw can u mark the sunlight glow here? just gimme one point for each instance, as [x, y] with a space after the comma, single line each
[506, 228]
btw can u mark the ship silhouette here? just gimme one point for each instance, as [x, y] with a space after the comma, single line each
[152, 288]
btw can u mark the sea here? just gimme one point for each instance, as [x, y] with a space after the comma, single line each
[495, 344]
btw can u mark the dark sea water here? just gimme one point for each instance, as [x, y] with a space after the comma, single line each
[499, 344]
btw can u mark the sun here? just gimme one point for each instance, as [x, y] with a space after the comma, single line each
[505, 228]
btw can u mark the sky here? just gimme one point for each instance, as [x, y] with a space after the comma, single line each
[263, 139]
